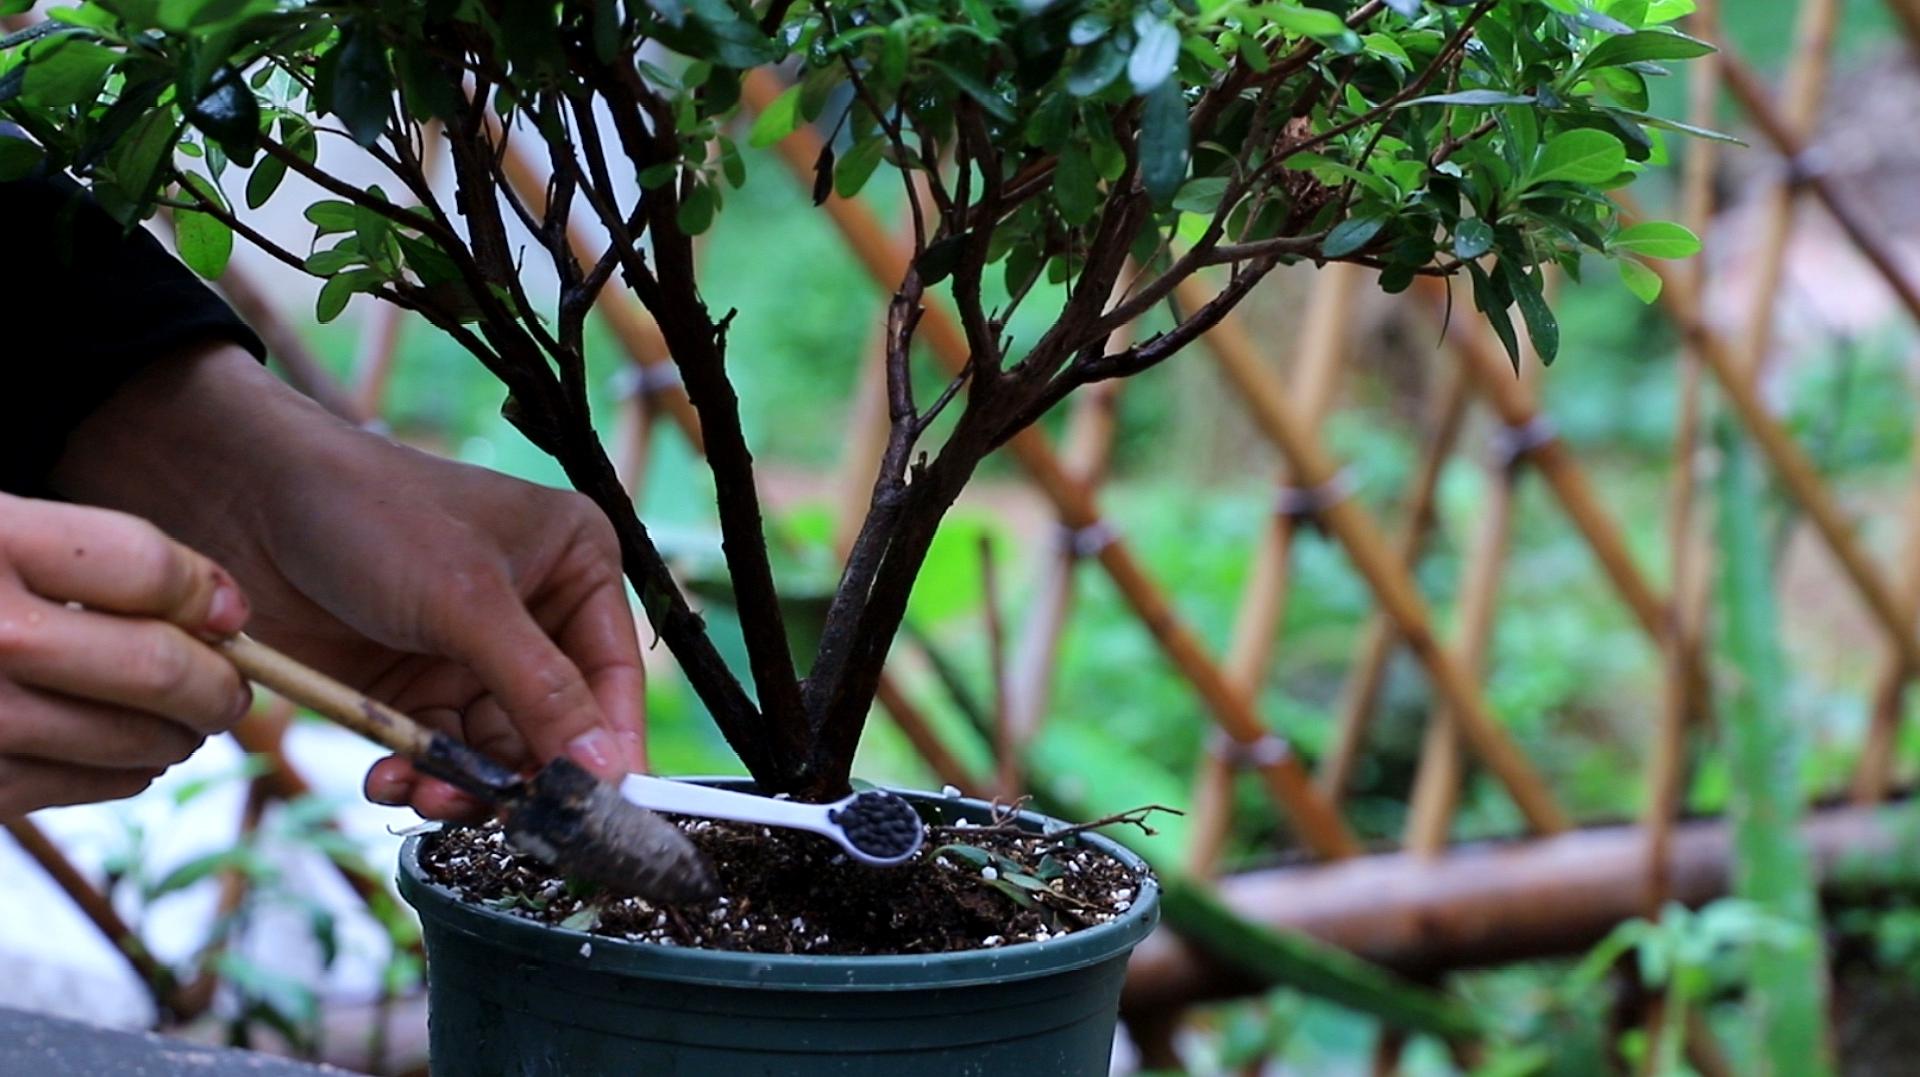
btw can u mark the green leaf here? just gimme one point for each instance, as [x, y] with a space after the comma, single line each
[1582, 155]
[1088, 29]
[1643, 46]
[1076, 186]
[735, 41]
[331, 216]
[980, 13]
[1163, 142]
[204, 242]
[1472, 237]
[937, 262]
[586, 919]
[1644, 283]
[264, 180]
[431, 92]
[979, 91]
[1201, 195]
[17, 158]
[858, 165]
[967, 854]
[1492, 300]
[732, 164]
[361, 88]
[777, 121]
[63, 70]
[1664, 124]
[1155, 52]
[1470, 97]
[1351, 234]
[1096, 68]
[1542, 327]
[696, 210]
[229, 115]
[1657, 239]
[1307, 22]
[338, 289]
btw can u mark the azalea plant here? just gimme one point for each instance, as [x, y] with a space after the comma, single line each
[1083, 157]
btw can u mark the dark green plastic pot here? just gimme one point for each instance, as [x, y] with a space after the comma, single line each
[509, 996]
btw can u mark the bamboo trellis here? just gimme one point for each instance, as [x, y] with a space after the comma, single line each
[1289, 409]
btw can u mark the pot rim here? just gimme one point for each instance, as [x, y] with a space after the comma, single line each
[556, 945]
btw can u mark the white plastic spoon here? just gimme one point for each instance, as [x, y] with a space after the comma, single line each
[874, 827]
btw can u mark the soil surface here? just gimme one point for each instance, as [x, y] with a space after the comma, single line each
[789, 892]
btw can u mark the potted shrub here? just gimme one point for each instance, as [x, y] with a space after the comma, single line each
[1078, 158]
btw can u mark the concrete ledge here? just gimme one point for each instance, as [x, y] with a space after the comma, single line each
[52, 1047]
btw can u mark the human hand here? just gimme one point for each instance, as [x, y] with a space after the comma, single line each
[96, 702]
[485, 606]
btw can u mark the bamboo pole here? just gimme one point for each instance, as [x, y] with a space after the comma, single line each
[1315, 374]
[1387, 576]
[1517, 407]
[1687, 549]
[1490, 903]
[1320, 827]
[1087, 454]
[1789, 464]
[1874, 773]
[1806, 82]
[1751, 93]
[1436, 789]
[1361, 694]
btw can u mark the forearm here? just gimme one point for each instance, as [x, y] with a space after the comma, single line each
[201, 443]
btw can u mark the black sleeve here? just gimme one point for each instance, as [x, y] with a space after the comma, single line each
[85, 305]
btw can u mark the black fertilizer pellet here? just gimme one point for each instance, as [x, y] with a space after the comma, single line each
[880, 824]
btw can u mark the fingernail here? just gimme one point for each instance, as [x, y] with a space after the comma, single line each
[596, 750]
[242, 704]
[387, 791]
[636, 746]
[228, 613]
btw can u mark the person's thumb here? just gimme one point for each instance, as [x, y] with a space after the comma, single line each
[542, 691]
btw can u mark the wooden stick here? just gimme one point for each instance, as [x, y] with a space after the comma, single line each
[1874, 773]
[1489, 903]
[1490, 373]
[1320, 828]
[1687, 549]
[866, 434]
[327, 697]
[1865, 235]
[1387, 576]
[1362, 691]
[1089, 441]
[1789, 463]
[920, 734]
[1006, 748]
[1806, 82]
[1436, 788]
[1264, 601]
[633, 441]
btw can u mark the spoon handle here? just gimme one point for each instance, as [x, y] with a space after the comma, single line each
[685, 798]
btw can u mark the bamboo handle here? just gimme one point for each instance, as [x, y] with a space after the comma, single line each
[322, 694]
